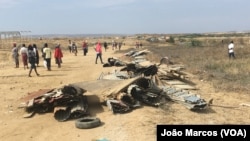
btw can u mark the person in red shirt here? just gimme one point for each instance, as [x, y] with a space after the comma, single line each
[98, 50]
[58, 55]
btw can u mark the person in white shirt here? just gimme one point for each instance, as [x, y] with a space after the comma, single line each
[47, 56]
[24, 54]
[231, 50]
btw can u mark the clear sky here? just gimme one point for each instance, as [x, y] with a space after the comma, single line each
[124, 16]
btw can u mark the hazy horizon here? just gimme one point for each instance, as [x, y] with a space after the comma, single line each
[124, 16]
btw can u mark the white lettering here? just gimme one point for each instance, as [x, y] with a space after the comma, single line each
[191, 132]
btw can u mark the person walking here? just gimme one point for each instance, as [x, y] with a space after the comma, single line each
[105, 45]
[15, 55]
[85, 47]
[70, 46]
[74, 48]
[47, 56]
[119, 45]
[36, 53]
[231, 50]
[24, 53]
[32, 60]
[98, 50]
[58, 55]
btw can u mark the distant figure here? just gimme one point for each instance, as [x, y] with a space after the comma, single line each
[98, 50]
[70, 46]
[85, 47]
[24, 54]
[58, 55]
[231, 50]
[105, 45]
[140, 44]
[43, 55]
[47, 52]
[15, 55]
[116, 44]
[32, 60]
[119, 45]
[113, 44]
[136, 45]
[74, 48]
[37, 54]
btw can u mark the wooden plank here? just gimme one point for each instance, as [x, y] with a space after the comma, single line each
[175, 82]
[30, 103]
[186, 87]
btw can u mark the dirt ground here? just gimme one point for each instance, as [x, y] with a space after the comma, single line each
[138, 125]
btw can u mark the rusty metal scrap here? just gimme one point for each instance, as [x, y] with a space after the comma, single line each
[70, 97]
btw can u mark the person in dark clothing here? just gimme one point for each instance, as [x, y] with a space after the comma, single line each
[74, 48]
[32, 60]
[85, 48]
[37, 54]
[15, 55]
[105, 45]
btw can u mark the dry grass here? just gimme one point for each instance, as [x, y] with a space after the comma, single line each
[212, 64]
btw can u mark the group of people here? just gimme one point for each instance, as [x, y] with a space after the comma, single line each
[138, 44]
[74, 49]
[98, 48]
[30, 56]
[116, 45]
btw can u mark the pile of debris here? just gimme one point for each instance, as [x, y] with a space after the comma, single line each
[159, 83]
[66, 103]
[137, 82]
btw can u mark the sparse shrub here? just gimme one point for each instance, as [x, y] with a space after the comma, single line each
[196, 43]
[171, 39]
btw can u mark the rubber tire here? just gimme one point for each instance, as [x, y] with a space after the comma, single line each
[87, 122]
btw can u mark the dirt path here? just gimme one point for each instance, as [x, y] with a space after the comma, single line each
[139, 125]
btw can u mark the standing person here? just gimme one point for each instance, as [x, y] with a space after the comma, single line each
[113, 44]
[116, 45]
[15, 55]
[58, 55]
[231, 50]
[85, 47]
[43, 55]
[70, 46]
[98, 50]
[74, 48]
[32, 60]
[140, 44]
[47, 52]
[105, 44]
[37, 54]
[24, 53]
[137, 44]
[119, 45]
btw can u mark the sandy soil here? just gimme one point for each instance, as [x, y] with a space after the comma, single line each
[138, 125]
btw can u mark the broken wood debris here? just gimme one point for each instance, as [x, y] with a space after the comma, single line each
[139, 82]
